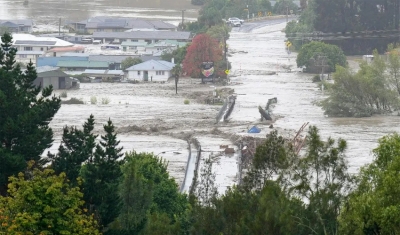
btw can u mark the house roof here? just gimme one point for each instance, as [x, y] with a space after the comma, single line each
[82, 64]
[158, 24]
[157, 35]
[103, 72]
[24, 22]
[152, 65]
[134, 44]
[28, 39]
[119, 58]
[124, 22]
[67, 49]
[77, 54]
[52, 73]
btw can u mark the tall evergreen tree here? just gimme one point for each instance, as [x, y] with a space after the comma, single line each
[25, 113]
[77, 146]
[101, 177]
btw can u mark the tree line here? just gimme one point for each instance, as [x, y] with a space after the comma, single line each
[345, 17]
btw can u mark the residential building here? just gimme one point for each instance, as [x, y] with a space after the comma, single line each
[53, 76]
[81, 65]
[104, 75]
[59, 51]
[116, 60]
[109, 24]
[151, 70]
[17, 26]
[27, 56]
[28, 42]
[142, 36]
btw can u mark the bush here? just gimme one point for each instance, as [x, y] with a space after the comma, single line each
[93, 100]
[105, 100]
[73, 100]
[186, 101]
[64, 94]
[316, 78]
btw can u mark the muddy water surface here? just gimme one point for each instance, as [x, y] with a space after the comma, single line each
[296, 94]
[49, 11]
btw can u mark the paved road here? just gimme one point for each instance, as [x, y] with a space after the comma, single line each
[250, 26]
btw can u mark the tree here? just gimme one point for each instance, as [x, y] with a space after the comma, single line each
[178, 55]
[198, 2]
[40, 202]
[128, 62]
[176, 72]
[25, 114]
[334, 55]
[101, 176]
[284, 7]
[202, 49]
[149, 196]
[321, 178]
[362, 94]
[394, 67]
[271, 158]
[373, 208]
[76, 147]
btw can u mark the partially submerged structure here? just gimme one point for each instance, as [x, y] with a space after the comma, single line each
[55, 77]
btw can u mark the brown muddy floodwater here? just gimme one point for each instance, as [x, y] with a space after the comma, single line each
[264, 51]
[50, 11]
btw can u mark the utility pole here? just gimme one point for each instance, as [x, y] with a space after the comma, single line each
[183, 18]
[287, 13]
[59, 27]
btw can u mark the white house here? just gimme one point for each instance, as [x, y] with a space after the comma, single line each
[151, 70]
[28, 42]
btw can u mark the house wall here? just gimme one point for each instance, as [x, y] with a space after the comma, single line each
[50, 81]
[26, 58]
[61, 53]
[33, 47]
[133, 75]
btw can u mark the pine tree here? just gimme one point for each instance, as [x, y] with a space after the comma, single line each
[77, 146]
[25, 114]
[101, 177]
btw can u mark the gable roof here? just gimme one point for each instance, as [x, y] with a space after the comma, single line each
[52, 73]
[82, 64]
[153, 65]
[158, 35]
[19, 22]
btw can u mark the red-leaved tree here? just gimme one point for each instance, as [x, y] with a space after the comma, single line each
[202, 49]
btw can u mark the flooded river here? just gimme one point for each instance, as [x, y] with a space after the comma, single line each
[50, 11]
[265, 51]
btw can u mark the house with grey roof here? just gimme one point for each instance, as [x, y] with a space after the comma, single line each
[142, 36]
[17, 26]
[120, 24]
[151, 70]
[54, 76]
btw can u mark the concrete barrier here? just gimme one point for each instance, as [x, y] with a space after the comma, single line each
[196, 172]
[187, 167]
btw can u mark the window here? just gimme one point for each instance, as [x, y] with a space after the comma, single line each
[28, 49]
[41, 48]
[162, 72]
[138, 72]
[22, 56]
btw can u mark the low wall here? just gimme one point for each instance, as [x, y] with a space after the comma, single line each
[187, 167]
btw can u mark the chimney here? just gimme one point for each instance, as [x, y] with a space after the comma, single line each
[173, 60]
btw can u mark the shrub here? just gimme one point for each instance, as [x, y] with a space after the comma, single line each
[64, 94]
[186, 101]
[105, 100]
[73, 100]
[93, 100]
